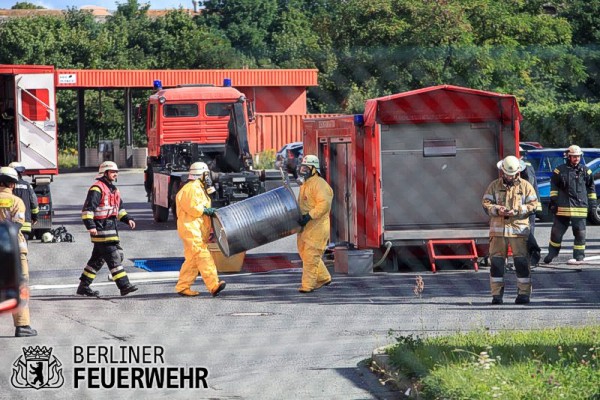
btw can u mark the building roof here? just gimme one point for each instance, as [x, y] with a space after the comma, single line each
[98, 78]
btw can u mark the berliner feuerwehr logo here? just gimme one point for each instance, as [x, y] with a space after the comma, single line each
[37, 369]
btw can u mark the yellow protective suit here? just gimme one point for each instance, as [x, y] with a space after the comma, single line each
[12, 209]
[194, 230]
[315, 199]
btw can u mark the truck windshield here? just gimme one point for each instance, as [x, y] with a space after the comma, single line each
[180, 110]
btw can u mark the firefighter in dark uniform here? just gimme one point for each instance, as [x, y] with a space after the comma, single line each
[572, 194]
[509, 201]
[24, 190]
[102, 210]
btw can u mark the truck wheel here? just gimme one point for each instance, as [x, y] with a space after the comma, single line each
[160, 213]
[594, 216]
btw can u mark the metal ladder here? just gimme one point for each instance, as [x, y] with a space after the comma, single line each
[470, 244]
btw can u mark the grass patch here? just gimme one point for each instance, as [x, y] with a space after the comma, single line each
[265, 160]
[558, 363]
[68, 159]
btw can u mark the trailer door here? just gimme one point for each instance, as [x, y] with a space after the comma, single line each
[36, 125]
[434, 175]
[341, 178]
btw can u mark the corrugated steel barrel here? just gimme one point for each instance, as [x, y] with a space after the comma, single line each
[256, 221]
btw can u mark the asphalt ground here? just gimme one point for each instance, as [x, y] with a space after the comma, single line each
[260, 339]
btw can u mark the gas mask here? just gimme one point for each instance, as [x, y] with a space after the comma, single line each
[208, 184]
[305, 172]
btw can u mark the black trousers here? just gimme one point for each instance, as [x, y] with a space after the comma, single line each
[112, 255]
[560, 226]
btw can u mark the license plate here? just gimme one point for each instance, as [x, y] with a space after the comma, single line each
[242, 179]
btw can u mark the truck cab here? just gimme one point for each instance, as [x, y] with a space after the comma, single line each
[198, 123]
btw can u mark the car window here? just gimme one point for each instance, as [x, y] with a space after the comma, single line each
[555, 162]
[535, 163]
[596, 172]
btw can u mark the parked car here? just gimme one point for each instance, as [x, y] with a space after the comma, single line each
[545, 160]
[289, 157]
[544, 189]
[530, 146]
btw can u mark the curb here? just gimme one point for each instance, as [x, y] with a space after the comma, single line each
[380, 365]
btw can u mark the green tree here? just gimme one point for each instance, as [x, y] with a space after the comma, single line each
[24, 5]
[247, 24]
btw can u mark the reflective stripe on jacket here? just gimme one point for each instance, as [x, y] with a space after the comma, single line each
[572, 190]
[102, 209]
[520, 197]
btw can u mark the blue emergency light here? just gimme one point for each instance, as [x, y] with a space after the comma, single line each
[359, 120]
[157, 84]
[227, 82]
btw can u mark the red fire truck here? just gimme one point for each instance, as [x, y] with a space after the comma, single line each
[28, 131]
[192, 123]
[414, 167]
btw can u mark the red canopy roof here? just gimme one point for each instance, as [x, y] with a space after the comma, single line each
[444, 103]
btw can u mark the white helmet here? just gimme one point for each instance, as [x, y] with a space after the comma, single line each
[107, 166]
[311, 160]
[574, 150]
[47, 237]
[20, 168]
[510, 165]
[8, 174]
[198, 169]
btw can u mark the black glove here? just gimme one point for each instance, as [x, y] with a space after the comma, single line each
[34, 218]
[593, 205]
[304, 219]
[209, 211]
[552, 207]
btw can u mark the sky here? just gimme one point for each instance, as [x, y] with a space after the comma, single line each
[110, 4]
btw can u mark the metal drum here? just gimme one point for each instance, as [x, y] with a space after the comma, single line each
[256, 221]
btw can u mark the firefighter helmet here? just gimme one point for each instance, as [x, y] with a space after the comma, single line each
[107, 166]
[47, 237]
[510, 165]
[8, 175]
[311, 161]
[574, 150]
[20, 168]
[198, 169]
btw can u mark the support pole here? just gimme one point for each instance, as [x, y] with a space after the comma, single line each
[81, 131]
[128, 129]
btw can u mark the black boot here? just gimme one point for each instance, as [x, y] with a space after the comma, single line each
[25, 331]
[129, 288]
[85, 290]
[497, 300]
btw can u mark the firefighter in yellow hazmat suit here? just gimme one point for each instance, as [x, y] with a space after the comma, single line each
[315, 204]
[193, 226]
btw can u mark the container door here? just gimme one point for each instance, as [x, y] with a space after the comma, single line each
[434, 175]
[341, 179]
[36, 115]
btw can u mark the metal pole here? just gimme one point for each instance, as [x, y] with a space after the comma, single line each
[128, 129]
[81, 132]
